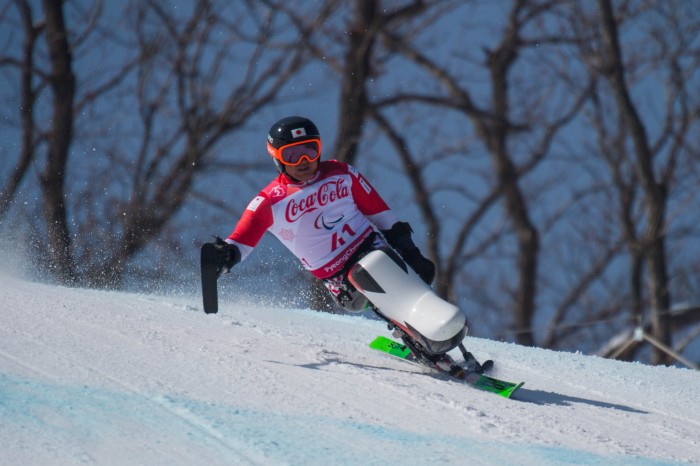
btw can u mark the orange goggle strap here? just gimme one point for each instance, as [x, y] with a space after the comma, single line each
[277, 153]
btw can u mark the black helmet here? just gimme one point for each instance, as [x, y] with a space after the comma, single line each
[290, 130]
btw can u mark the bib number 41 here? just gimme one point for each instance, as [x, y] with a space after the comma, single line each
[339, 239]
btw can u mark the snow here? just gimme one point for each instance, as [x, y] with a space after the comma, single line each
[94, 377]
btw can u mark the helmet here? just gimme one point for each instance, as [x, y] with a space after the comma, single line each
[291, 131]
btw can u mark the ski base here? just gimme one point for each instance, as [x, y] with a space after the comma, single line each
[472, 378]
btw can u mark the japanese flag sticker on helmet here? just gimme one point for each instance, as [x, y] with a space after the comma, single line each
[298, 132]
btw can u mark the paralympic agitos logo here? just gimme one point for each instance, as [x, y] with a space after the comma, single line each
[325, 194]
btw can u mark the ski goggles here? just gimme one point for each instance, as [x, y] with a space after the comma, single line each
[293, 154]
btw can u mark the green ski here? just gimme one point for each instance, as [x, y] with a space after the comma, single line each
[476, 380]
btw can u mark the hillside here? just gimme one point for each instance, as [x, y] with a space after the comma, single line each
[93, 377]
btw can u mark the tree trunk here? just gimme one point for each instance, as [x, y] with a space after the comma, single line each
[654, 194]
[496, 132]
[60, 137]
[353, 95]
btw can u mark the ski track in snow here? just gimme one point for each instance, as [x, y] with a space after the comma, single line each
[93, 377]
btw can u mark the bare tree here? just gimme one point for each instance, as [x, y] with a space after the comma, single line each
[182, 75]
[644, 168]
[525, 118]
[168, 161]
[496, 125]
[654, 192]
[368, 22]
[28, 93]
[53, 178]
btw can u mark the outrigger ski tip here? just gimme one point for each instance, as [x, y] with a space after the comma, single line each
[209, 271]
[472, 377]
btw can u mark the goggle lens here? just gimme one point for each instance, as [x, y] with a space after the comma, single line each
[293, 154]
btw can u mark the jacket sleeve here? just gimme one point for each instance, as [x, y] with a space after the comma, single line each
[369, 202]
[254, 222]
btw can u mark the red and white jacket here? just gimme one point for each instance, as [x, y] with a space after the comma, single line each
[321, 221]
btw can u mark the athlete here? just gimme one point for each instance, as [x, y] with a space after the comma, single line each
[325, 212]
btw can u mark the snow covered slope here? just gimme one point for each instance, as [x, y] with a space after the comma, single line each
[90, 377]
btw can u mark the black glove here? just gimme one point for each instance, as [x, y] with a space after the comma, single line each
[227, 256]
[423, 266]
[399, 238]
